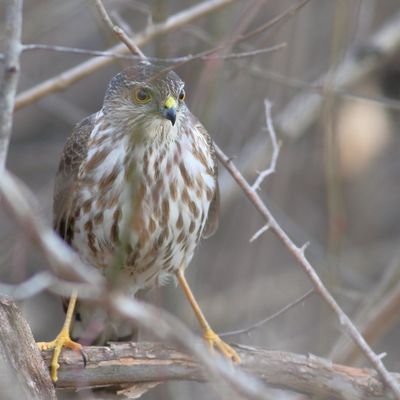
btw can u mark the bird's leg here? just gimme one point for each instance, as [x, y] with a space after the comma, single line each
[63, 339]
[212, 339]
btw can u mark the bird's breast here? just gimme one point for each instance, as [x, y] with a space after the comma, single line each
[145, 207]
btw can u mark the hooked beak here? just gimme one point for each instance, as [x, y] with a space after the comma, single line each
[169, 111]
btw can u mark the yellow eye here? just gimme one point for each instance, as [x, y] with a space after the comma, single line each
[141, 96]
[182, 95]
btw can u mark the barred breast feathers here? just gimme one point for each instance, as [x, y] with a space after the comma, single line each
[173, 183]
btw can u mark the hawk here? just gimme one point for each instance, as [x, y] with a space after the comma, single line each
[135, 191]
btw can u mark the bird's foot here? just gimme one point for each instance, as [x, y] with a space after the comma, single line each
[214, 341]
[62, 340]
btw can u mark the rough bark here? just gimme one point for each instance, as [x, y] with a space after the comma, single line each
[23, 374]
[124, 363]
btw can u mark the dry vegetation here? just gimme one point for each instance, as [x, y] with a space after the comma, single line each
[331, 69]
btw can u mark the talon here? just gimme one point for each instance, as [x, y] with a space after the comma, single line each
[84, 357]
[214, 341]
[62, 340]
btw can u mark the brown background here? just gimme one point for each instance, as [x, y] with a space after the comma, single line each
[343, 198]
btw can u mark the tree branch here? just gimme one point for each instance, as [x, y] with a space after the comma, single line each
[22, 205]
[299, 255]
[275, 148]
[119, 32]
[75, 74]
[305, 107]
[127, 363]
[23, 374]
[8, 87]
[381, 317]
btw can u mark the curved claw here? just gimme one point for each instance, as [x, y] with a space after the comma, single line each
[214, 341]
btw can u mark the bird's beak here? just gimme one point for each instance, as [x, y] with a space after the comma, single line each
[169, 111]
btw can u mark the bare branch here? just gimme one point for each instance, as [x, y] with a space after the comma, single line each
[119, 32]
[269, 318]
[386, 41]
[159, 322]
[283, 17]
[320, 288]
[8, 87]
[304, 109]
[77, 50]
[202, 56]
[244, 54]
[127, 363]
[382, 316]
[42, 281]
[275, 147]
[20, 203]
[371, 303]
[303, 248]
[67, 78]
[166, 326]
[23, 374]
[259, 233]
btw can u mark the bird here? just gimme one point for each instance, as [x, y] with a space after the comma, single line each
[136, 190]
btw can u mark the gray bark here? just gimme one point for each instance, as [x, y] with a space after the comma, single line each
[23, 374]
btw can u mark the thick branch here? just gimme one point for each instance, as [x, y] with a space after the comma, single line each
[8, 87]
[154, 362]
[23, 374]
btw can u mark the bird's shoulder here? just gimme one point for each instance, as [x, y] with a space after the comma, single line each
[76, 146]
[74, 152]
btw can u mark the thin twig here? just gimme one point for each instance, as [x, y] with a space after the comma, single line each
[304, 109]
[283, 17]
[67, 78]
[371, 303]
[318, 87]
[275, 147]
[381, 317]
[202, 56]
[259, 233]
[320, 288]
[8, 86]
[269, 318]
[119, 32]
[243, 54]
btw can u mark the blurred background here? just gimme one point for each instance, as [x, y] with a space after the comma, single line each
[337, 183]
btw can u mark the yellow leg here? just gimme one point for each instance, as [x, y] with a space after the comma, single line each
[212, 339]
[63, 339]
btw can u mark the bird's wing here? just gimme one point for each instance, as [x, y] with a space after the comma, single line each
[213, 215]
[74, 153]
[213, 211]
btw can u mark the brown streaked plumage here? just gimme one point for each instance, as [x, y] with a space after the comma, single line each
[137, 187]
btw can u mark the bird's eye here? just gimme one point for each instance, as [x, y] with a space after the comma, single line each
[182, 95]
[141, 96]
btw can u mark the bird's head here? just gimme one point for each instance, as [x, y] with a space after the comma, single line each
[146, 100]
